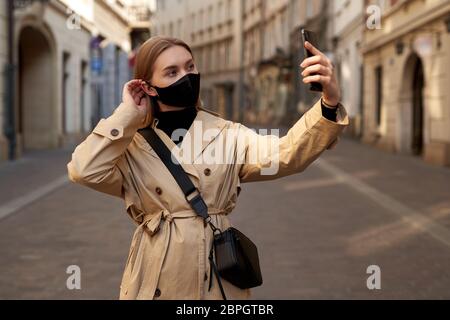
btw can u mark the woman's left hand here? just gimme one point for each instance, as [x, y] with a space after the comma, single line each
[324, 73]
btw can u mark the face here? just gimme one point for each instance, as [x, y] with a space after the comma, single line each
[171, 65]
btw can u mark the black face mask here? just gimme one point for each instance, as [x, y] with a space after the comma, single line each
[182, 93]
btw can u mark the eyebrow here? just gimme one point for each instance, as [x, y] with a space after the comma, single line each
[174, 66]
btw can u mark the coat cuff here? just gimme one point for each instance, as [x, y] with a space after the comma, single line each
[329, 112]
[124, 122]
[316, 114]
[334, 128]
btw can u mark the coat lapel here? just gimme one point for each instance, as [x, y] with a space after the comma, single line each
[205, 128]
[194, 142]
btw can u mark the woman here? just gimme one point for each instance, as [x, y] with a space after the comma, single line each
[168, 258]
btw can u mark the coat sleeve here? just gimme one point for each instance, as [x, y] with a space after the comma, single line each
[268, 157]
[94, 162]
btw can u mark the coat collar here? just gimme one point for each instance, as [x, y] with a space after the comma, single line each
[203, 122]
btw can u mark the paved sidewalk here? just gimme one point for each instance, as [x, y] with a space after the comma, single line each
[31, 172]
[317, 232]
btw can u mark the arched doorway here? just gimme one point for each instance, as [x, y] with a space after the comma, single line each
[36, 112]
[410, 117]
[417, 105]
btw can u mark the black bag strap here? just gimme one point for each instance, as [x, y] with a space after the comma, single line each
[197, 203]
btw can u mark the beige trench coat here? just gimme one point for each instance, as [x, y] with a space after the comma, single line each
[168, 257]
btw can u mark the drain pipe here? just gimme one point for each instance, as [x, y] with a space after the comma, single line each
[10, 71]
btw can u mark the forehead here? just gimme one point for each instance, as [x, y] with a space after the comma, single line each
[175, 55]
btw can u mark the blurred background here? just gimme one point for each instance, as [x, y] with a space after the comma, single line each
[382, 197]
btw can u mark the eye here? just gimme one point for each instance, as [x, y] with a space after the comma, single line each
[172, 73]
[191, 66]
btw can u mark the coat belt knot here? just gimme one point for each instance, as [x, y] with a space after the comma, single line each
[152, 224]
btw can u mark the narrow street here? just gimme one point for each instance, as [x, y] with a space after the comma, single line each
[317, 232]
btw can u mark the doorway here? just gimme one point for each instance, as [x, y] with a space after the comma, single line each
[36, 113]
[417, 104]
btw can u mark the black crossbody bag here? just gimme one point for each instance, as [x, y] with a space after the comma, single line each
[236, 255]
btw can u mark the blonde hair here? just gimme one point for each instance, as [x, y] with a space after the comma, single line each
[145, 61]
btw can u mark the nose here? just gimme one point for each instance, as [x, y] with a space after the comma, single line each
[183, 73]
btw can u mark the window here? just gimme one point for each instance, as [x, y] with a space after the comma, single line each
[227, 53]
[309, 8]
[200, 20]
[198, 59]
[207, 62]
[228, 12]
[65, 88]
[378, 93]
[160, 5]
[83, 86]
[179, 28]
[210, 16]
[220, 12]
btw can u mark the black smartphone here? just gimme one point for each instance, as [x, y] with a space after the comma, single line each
[311, 38]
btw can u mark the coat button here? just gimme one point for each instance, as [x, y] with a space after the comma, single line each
[158, 190]
[114, 132]
[157, 293]
[207, 171]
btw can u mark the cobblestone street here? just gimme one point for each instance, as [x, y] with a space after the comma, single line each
[317, 232]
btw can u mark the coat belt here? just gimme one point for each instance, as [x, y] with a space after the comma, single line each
[152, 224]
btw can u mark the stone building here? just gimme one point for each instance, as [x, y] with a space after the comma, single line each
[70, 61]
[406, 79]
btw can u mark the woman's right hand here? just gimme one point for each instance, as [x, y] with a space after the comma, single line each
[134, 95]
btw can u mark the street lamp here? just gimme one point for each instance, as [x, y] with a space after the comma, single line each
[447, 23]
[399, 46]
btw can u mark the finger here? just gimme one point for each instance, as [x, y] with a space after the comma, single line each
[137, 100]
[131, 87]
[313, 49]
[133, 83]
[310, 61]
[137, 89]
[317, 60]
[138, 94]
[141, 94]
[318, 69]
[324, 80]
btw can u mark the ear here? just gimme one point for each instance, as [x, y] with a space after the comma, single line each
[148, 89]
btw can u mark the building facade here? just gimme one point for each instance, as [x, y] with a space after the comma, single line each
[267, 62]
[71, 59]
[247, 51]
[3, 79]
[51, 59]
[406, 79]
[348, 24]
[213, 30]
[391, 58]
